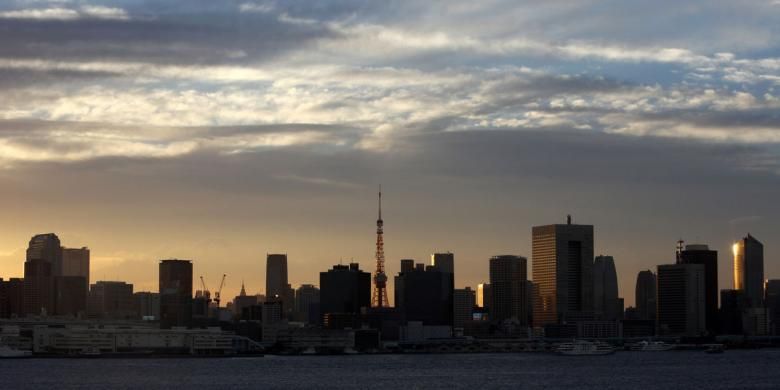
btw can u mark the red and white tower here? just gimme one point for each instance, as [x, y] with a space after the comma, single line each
[379, 298]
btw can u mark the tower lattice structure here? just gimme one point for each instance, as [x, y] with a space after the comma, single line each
[379, 298]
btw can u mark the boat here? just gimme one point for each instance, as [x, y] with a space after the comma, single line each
[652, 346]
[585, 348]
[90, 352]
[715, 348]
[8, 352]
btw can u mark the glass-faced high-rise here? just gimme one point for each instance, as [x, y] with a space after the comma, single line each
[749, 270]
[563, 271]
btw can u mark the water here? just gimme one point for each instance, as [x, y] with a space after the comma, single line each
[623, 370]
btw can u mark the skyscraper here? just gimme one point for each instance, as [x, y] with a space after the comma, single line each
[749, 270]
[464, 300]
[484, 295]
[701, 254]
[276, 275]
[344, 290]
[681, 308]
[425, 294]
[11, 298]
[46, 247]
[175, 293]
[646, 295]
[38, 287]
[563, 272]
[605, 289]
[445, 262]
[75, 262]
[307, 303]
[508, 276]
[772, 302]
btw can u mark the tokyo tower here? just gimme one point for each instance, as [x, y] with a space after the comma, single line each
[379, 298]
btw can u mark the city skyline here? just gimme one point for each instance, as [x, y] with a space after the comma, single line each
[625, 290]
[224, 131]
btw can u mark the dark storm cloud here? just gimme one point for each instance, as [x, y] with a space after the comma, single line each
[21, 78]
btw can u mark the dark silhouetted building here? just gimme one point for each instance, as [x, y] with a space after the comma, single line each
[344, 291]
[276, 283]
[75, 262]
[407, 265]
[46, 247]
[445, 262]
[749, 270]
[111, 300]
[425, 294]
[606, 303]
[11, 298]
[646, 295]
[772, 302]
[38, 287]
[464, 301]
[730, 315]
[70, 296]
[175, 293]
[147, 305]
[242, 301]
[508, 277]
[307, 303]
[681, 309]
[701, 254]
[484, 296]
[563, 272]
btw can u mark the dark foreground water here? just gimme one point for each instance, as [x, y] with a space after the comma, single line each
[624, 370]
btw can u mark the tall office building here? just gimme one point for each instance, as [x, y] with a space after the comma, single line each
[111, 300]
[38, 287]
[605, 289]
[307, 303]
[681, 308]
[464, 301]
[425, 294]
[749, 270]
[344, 290]
[730, 314]
[563, 272]
[646, 295]
[508, 277]
[46, 247]
[70, 296]
[445, 262]
[701, 254]
[75, 262]
[276, 275]
[484, 295]
[242, 300]
[175, 293]
[772, 302]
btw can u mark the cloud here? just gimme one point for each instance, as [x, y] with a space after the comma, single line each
[42, 14]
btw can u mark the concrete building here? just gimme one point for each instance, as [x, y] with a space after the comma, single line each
[276, 275]
[46, 247]
[344, 290]
[70, 296]
[307, 303]
[730, 314]
[508, 277]
[484, 295]
[242, 301]
[749, 270]
[445, 262]
[646, 295]
[425, 294]
[772, 302]
[147, 305]
[11, 298]
[681, 303]
[464, 301]
[563, 272]
[175, 293]
[75, 262]
[38, 287]
[701, 254]
[606, 303]
[111, 300]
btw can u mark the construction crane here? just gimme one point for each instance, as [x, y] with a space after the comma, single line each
[206, 293]
[219, 292]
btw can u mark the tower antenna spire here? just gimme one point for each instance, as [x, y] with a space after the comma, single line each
[379, 298]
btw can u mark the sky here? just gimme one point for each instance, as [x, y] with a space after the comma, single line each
[220, 131]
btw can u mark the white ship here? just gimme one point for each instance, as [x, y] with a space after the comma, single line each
[652, 346]
[8, 352]
[585, 348]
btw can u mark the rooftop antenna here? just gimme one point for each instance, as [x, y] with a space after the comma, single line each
[568, 219]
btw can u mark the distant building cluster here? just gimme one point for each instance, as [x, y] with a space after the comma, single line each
[569, 293]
